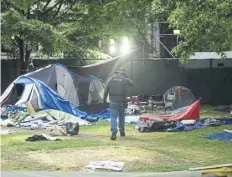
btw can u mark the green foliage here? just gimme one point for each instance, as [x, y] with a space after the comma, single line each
[205, 25]
[20, 24]
[70, 26]
[113, 19]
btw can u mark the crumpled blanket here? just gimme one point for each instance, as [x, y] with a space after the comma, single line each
[42, 119]
[42, 137]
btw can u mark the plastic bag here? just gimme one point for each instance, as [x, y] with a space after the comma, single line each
[72, 128]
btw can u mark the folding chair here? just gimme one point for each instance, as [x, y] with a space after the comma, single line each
[143, 101]
[158, 102]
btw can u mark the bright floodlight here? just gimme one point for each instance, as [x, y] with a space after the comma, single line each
[112, 49]
[176, 32]
[125, 48]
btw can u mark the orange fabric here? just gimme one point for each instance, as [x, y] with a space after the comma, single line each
[191, 113]
[180, 92]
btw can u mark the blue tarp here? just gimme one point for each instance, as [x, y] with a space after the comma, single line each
[200, 123]
[194, 126]
[226, 136]
[51, 100]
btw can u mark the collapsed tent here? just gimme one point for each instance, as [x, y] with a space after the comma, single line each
[178, 97]
[172, 121]
[55, 87]
[161, 122]
[192, 112]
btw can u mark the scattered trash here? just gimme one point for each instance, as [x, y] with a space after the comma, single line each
[49, 138]
[56, 131]
[109, 165]
[211, 122]
[72, 128]
[42, 137]
[7, 123]
[176, 127]
[152, 125]
[188, 122]
[132, 109]
[39, 120]
[6, 132]
[229, 131]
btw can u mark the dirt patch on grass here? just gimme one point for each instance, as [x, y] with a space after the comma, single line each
[2, 162]
[78, 158]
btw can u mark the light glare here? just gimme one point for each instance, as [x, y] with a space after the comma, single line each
[125, 48]
[112, 49]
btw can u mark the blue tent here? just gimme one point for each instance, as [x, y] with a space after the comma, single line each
[55, 87]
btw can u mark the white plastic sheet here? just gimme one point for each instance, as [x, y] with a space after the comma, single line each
[109, 165]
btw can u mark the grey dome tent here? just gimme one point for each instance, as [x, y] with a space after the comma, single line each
[178, 97]
[91, 89]
[79, 90]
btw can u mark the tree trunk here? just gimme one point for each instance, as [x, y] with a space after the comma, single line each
[24, 56]
[27, 57]
[21, 56]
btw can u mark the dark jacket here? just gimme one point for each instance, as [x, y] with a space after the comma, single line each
[116, 88]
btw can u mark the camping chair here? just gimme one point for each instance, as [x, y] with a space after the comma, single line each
[128, 101]
[169, 101]
[143, 101]
[135, 100]
[158, 102]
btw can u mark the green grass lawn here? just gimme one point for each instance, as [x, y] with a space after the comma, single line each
[141, 152]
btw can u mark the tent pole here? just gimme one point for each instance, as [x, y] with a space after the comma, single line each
[210, 80]
[131, 70]
[165, 47]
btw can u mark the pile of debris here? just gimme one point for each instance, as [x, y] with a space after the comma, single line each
[51, 120]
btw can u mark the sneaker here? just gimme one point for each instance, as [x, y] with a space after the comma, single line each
[113, 136]
[122, 134]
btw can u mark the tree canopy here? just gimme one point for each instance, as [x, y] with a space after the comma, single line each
[69, 25]
[76, 26]
[205, 25]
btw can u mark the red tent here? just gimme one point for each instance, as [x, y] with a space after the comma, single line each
[190, 113]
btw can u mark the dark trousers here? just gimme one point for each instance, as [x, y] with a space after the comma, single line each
[117, 110]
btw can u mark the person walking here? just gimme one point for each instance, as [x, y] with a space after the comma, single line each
[116, 89]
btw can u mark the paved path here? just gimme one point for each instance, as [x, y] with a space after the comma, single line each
[99, 174]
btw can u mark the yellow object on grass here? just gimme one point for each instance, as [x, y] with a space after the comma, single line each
[224, 171]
